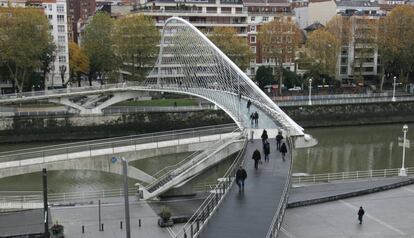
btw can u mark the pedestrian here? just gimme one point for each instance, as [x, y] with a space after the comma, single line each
[249, 103]
[256, 118]
[252, 118]
[279, 139]
[241, 175]
[283, 150]
[361, 213]
[256, 157]
[264, 136]
[266, 150]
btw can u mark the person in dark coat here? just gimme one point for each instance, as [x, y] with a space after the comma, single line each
[283, 150]
[266, 150]
[264, 136]
[361, 213]
[279, 139]
[241, 175]
[252, 118]
[249, 103]
[256, 157]
[256, 118]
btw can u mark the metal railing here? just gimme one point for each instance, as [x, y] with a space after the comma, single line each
[280, 212]
[351, 175]
[186, 163]
[131, 109]
[133, 140]
[202, 215]
[62, 198]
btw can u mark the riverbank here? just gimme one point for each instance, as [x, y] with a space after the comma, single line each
[85, 127]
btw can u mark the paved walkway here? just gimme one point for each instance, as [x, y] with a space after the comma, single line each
[249, 213]
[387, 214]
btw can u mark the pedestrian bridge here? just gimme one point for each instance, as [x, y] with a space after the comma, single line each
[188, 63]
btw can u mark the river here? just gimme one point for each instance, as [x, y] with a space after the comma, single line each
[339, 149]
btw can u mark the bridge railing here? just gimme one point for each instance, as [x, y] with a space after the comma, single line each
[349, 176]
[280, 212]
[194, 158]
[112, 143]
[202, 215]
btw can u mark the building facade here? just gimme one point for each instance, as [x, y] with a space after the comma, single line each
[78, 12]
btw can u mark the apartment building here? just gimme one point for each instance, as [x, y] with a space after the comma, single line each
[78, 13]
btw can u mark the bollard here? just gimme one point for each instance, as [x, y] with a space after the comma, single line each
[139, 222]
[83, 229]
[120, 224]
[102, 227]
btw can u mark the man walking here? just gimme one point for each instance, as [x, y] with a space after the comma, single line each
[283, 150]
[361, 213]
[256, 157]
[241, 175]
[266, 150]
[279, 139]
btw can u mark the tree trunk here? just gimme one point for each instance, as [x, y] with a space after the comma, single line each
[382, 78]
[280, 78]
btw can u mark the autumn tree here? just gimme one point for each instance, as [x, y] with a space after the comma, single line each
[395, 42]
[279, 40]
[323, 48]
[98, 44]
[136, 39]
[24, 39]
[78, 62]
[235, 47]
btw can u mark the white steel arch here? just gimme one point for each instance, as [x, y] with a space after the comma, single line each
[189, 63]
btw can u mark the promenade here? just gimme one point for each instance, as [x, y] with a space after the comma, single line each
[250, 213]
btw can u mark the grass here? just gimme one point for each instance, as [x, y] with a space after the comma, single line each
[161, 102]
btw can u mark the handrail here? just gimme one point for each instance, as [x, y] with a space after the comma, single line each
[168, 168]
[193, 227]
[350, 175]
[183, 164]
[158, 136]
[280, 212]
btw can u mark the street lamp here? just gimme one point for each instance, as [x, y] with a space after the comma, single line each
[310, 91]
[403, 172]
[393, 91]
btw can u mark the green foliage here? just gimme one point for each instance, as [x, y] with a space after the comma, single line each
[136, 39]
[264, 76]
[98, 44]
[235, 47]
[25, 39]
[291, 78]
[165, 213]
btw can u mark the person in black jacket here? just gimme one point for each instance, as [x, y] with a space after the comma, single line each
[256, 157]
[241, 175]
[279, 139]
[266, 150]
[361, 213]
[283, 150]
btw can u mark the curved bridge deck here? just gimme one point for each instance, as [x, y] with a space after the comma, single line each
[250, 213]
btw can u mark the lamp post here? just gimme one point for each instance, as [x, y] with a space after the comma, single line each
[393, 90]
[403, 172]
[310, 91]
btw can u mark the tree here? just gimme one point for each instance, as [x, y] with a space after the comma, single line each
[264, 76]
[78, 62]
[279, 40]
[24, 39]
[136, 39]
[395, 44]
[235, 47]
[98, 44]
[47, 58]
[323, 48]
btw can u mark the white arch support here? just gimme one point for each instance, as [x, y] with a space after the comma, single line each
[190, 63]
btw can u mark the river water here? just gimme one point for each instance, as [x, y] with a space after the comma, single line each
[339, 149]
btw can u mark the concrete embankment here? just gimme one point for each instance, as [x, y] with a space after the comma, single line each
[78, 127]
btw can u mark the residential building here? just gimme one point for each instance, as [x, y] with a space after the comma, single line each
[316, 11]
[78, 13]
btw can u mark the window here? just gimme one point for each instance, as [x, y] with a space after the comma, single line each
[252, 70]
[252, 18]
[61, 39]
[252, 28]
[50, 7]
[253, 49]
[265, 19]
[252, 39]
[61, 28]
[62, 49]
[62, 59]
[344, 70]
[50, 17]
[60, 8]
[60, 18]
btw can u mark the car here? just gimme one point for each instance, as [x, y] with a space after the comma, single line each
[295, 88]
